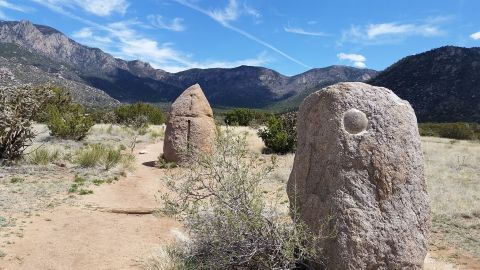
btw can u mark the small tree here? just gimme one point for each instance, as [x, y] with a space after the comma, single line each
[280, 135]
[59, 98]
[230, 222]
[69, 122]
[66, 119]
[18, 107]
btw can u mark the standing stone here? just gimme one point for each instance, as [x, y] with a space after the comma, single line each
[190, 126]
[359, 172]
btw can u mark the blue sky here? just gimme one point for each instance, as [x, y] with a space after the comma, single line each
[288, 36]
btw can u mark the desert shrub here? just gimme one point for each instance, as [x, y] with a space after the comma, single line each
[231, 225]
[240, 117]
[128, 114]
[459, 131]
[280, 134]
[108, 117]
[245, 117]
[43, 156]
[18, 108]
[60, 98]
[140, 124]
[69, 122]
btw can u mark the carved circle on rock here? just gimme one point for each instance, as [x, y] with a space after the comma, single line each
[355, 121]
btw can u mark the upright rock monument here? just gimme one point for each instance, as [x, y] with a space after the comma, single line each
[359, 167]
[190, 126]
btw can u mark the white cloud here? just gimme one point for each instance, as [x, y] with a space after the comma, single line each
[392, 32]
[232, 12]
[175, 25]
[103, 7]
[250, 11]
[300, 31]
[87, 36]
[351, 57]
[123, 41]
[376, 30]
[228, 14]
[357, 60]
[475, 36]
[8, 5]
[4, 4]
[83, 33]
[97, 7]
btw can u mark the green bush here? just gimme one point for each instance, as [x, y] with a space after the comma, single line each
[60, 98]
[459, 131]
[66, 119]
[240, 117]
[245, 117]
[230, 223]
[128, 114]
[69, 123]
[280, 135]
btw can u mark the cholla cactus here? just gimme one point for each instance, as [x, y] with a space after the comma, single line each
[18, 108]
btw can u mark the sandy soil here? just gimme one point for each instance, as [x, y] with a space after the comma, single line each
[114, 227]
[89, 236]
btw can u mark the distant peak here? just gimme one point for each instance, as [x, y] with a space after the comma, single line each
[140, 63]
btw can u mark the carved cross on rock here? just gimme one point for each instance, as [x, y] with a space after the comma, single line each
[190, 126]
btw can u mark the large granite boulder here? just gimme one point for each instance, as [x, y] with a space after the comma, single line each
[190, 126]
[359, 171]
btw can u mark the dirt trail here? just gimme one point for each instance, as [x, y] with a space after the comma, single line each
[90, 236]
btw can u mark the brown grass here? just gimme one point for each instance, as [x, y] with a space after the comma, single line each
[453, 180]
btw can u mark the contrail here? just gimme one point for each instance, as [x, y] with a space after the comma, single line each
[241, 32]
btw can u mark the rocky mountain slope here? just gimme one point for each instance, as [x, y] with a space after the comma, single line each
[316, 79]
[19, 66]
[129, 81]
[443, 85]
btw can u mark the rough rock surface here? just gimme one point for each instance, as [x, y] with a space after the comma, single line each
[190, 126]
[359, 170]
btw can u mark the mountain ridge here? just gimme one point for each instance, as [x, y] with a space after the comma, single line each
[130, 81]
[442, 84]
